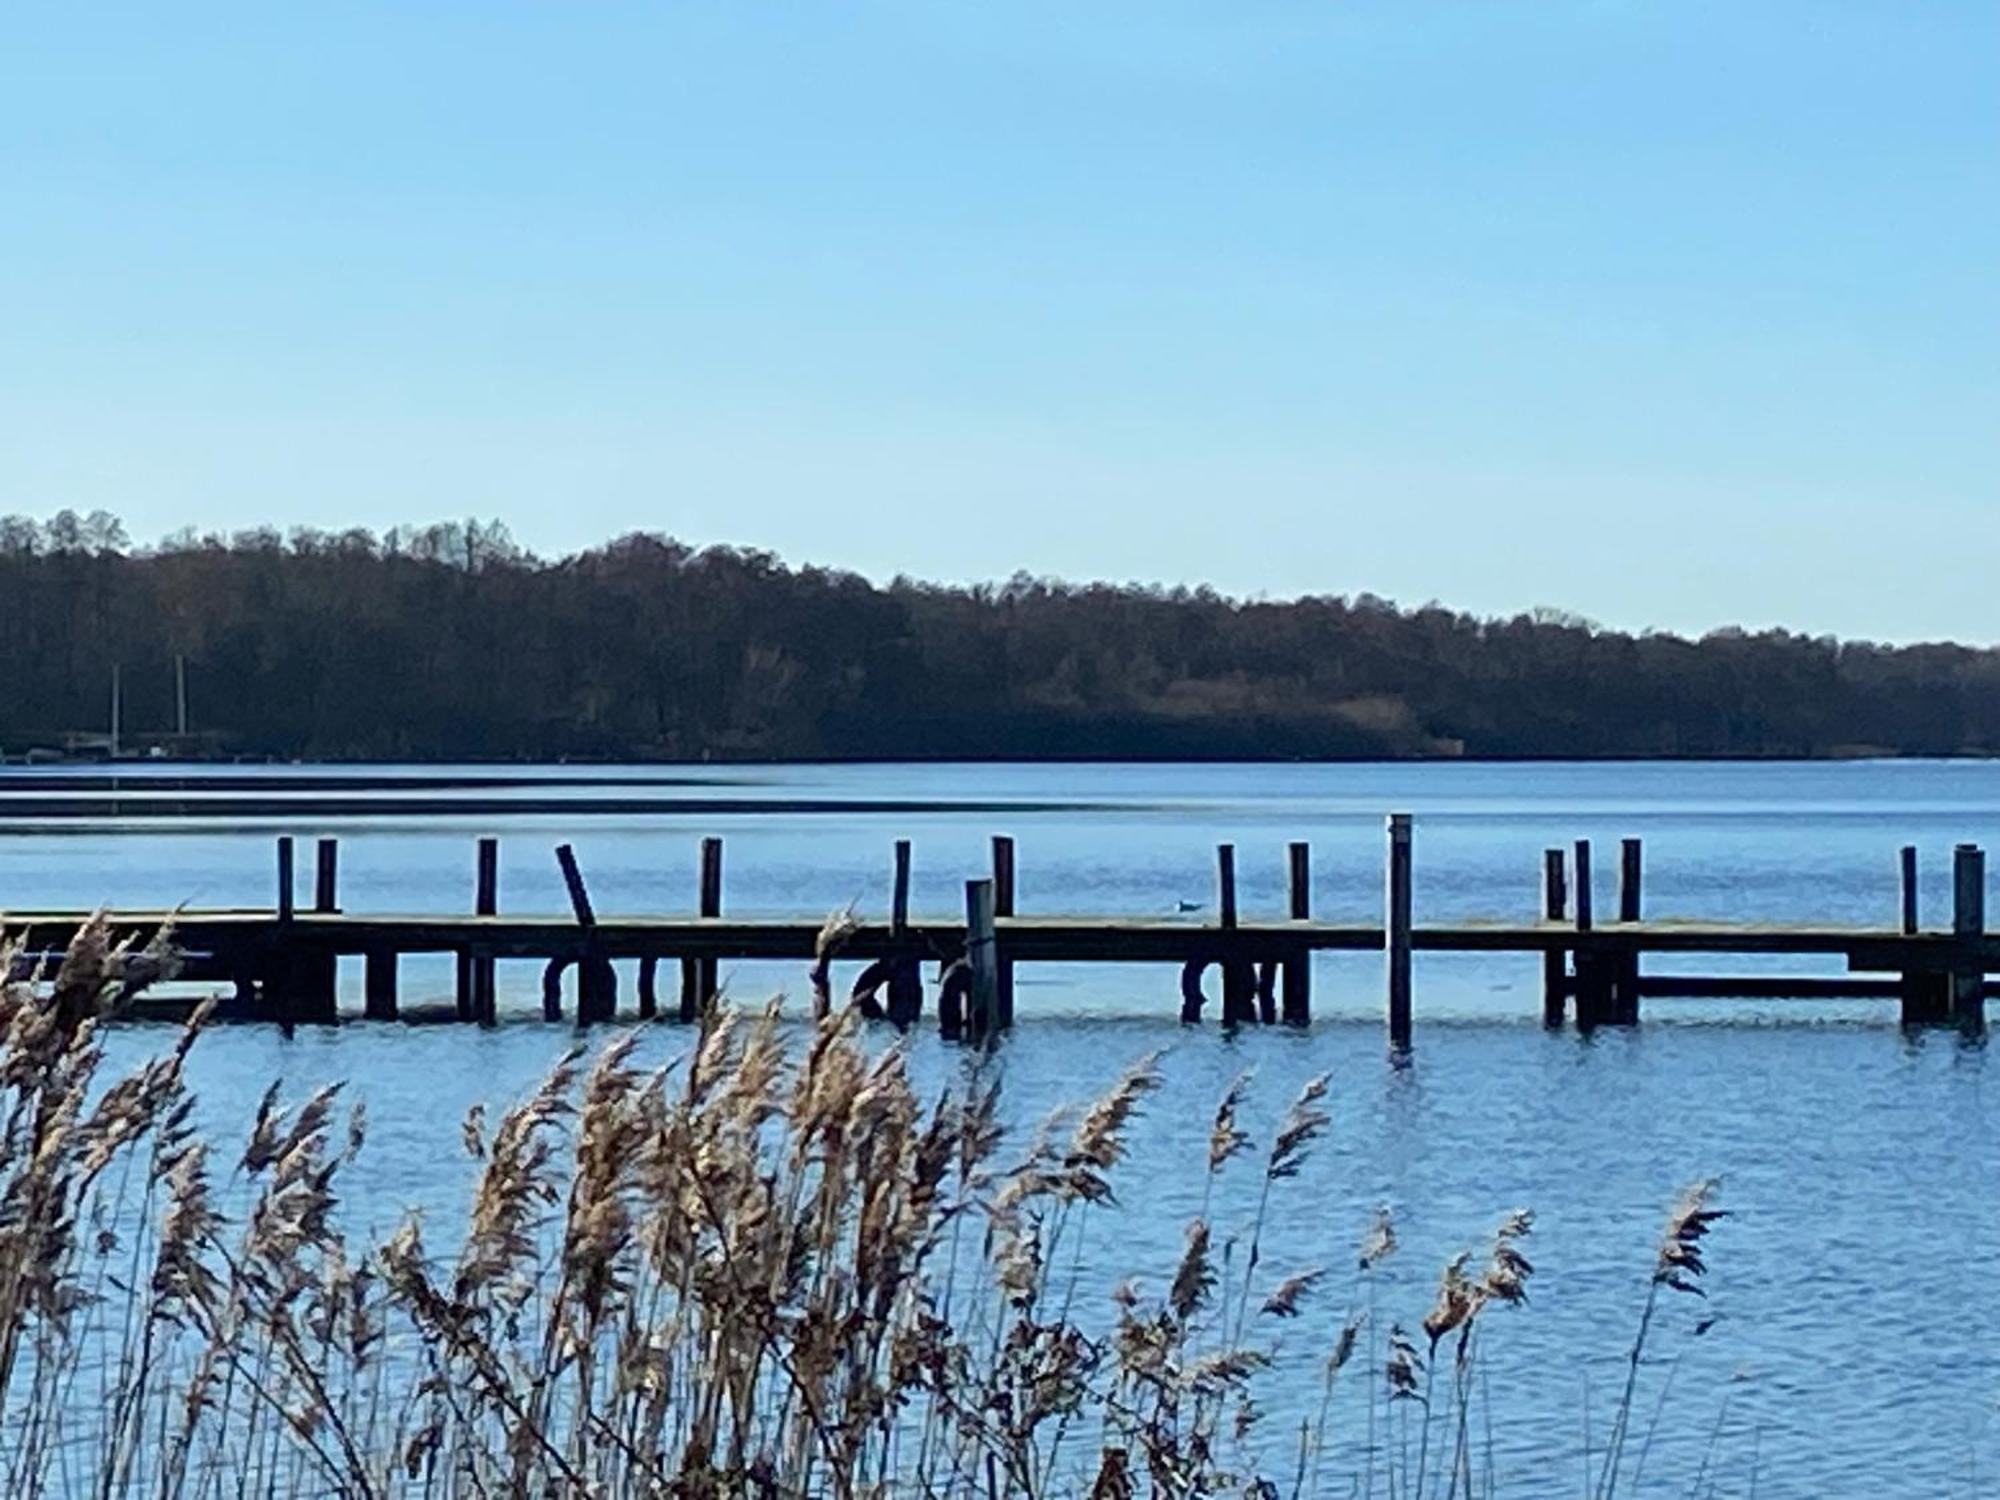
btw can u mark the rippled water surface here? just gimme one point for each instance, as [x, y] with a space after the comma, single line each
[1854, 1348]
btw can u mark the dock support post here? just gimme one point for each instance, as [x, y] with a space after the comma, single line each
[485, 903]
[596, 980]
[698, 975]
[1909, 873]
[1555, 962]
[1968, 925]
[326, 876]
[1396, 931]
[1625, 968]
[906, 982]
[1296, 971]
[286, 882]
[1003, 906]
[1239, 979]
[1593, 978]
[379, 984]
[982, 958]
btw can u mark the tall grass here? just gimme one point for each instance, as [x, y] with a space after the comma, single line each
[767, 1269]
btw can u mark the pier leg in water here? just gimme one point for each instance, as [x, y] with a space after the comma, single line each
[1239, 978]
[649, 986]
[481, 975]
[1003, 907]
[905, 976]
[1396, 931]
[698, 975]
[379, 984]
[1968, 925]
[1624, 997]
[982, 957]
[1297, 966]
[1555, 962]
[954, 985]
[1593, 970]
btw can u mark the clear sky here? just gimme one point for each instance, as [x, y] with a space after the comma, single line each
[1670, 313]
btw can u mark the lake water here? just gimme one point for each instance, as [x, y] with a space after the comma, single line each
[1856, 1346]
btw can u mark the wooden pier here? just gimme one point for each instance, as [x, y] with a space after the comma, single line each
[1240, 970]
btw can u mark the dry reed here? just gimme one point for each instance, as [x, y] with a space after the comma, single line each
[770, 1269]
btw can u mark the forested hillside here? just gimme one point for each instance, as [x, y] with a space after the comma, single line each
[450, 642]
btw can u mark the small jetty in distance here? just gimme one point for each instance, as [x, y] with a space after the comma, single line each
[1239, 969]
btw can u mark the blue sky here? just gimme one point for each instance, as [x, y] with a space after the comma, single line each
[1673, 314]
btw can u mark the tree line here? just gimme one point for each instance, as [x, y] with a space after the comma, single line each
[451, 642]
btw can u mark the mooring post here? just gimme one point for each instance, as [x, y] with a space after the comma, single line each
[596, 980]
[326, 876]
[1003, 906]
[1968, 925]
[1296, 973]
[379, 984]
[485, 903]
[1396, 931]
[286, 894]
[899, 891]
[906, 981]
[1625, 969]
[1909, 872]
[1926, 992]
[982, 958]
[698, 975]
[1593, 970]
[1239, 979]
[1555, 907]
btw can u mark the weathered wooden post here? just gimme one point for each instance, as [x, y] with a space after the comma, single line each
[1555, 907]
[1396, 931]
[698, 975]
[1239, 981]
[379, 984]
[1968, 925]
[596, 980]
[1592, 970]
[1909, 873]
[485, 903]
[1003, 906]
[982, 958]
[1625, 968]
[1296, 974]
[326, 876]
[906, 984]
[286, 879]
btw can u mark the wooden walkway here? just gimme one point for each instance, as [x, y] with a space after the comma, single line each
[281, 961]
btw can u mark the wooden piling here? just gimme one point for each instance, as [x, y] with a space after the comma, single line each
[1003, 906]
[579, 898]
[379, 984]
[698, 975]
[906, 982]
[286, 883]
[1555, 963]
[1968, 925]
[1581, 866]
[1295, 974]
[1239, 979]
[326, 877]
[596, 980]
[1909, 874]
[1624, 998]
[484, 1007]
[899, 891]
[1630, 874]
[1593, 969]
[1396, 931]
[982, 957]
